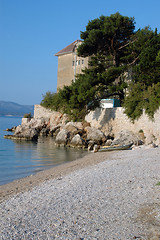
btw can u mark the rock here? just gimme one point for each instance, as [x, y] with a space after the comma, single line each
[57, 118]
[90, 145]
[25, 120]
[77, 141]
[55, 130]
[13, 129]
[153, 145]
[62, 137]
[70, 127]
[126, 137]
[150, 138]
[79, 125]
[95, 135]
[108, 142]
[96, 148]
[27, 135]
[85, 124]
[28, 131]
[44, 132]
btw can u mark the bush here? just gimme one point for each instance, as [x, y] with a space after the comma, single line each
[27, 115]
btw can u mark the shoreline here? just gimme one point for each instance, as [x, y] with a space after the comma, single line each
[100, 196]
[27, 183]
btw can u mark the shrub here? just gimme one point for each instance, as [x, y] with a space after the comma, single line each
[27, 115]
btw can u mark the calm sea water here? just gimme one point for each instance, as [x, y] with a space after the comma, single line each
[21, 159]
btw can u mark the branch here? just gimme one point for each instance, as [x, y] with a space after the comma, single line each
[133, 61]
[127, 44]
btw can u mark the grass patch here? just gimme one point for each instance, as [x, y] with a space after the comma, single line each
[158, 184]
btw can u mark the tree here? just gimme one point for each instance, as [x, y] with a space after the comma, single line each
[114, 47]
[107, 41]
[144, 90]
[108, 36]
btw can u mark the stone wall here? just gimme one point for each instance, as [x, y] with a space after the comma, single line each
[114, 120]
[51, 117]
[41, 112]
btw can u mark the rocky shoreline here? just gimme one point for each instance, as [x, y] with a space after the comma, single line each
[72, 134]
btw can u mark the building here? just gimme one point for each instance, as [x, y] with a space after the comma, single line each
[69, 64]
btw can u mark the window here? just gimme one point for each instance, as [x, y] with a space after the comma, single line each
[79, 62]
[82, 61]
[72, 63]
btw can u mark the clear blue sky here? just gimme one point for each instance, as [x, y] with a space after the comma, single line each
[32, 31]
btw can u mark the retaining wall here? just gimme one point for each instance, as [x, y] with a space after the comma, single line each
[114, 120]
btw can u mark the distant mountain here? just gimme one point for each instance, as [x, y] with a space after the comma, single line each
[15, 109]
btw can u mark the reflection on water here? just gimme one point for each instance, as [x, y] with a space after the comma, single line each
[31, 157]
[45, 153]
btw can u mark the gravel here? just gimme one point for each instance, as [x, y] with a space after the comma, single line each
[112, 200]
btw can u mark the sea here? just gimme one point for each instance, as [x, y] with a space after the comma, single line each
[21, 159]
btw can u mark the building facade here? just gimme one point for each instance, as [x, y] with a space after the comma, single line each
[69, 64]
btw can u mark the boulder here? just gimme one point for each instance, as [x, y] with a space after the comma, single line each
[77, 141]
[54, 130]
[108, 142]
[70, 127]
[95, 135]
[79, 125]
[125, 137]
[62, 137]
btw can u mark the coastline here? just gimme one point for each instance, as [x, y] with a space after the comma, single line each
[29, 182]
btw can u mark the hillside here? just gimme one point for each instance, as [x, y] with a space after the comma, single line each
[15, 109]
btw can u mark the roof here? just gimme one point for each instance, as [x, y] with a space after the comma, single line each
[68, 49]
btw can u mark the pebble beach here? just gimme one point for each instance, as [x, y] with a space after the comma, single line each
[103, 196]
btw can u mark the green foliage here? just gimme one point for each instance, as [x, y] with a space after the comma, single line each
[144, 93]
[142, 98]
[107, 36]
[158, 57]
[27, 115]
[141, 131]
[158, 184]
[133, 103]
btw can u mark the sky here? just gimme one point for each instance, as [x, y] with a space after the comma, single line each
[33, 31]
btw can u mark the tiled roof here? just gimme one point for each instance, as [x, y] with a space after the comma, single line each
[68, 49]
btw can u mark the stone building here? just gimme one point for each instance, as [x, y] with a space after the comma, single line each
[69, 64]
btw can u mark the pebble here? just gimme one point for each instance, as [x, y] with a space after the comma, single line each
[99, 202]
